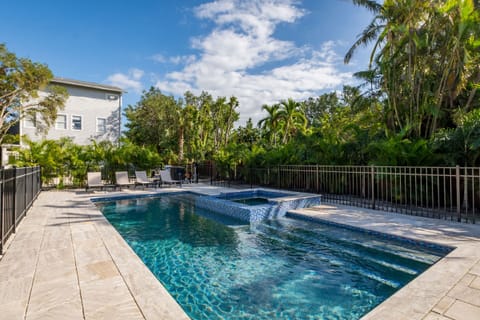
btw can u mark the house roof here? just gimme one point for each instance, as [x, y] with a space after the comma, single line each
[85, 84]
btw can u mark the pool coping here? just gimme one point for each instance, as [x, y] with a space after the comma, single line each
[449, 288]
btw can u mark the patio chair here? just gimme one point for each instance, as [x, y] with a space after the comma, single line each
[142, 179]
[121, 178]
[94, 180]
[165, 176]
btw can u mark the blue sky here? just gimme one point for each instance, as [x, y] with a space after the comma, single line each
[261, 51]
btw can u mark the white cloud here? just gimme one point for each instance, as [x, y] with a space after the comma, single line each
[128, 82]
[236, 57]
[160, 58]
[186, 59]
[136, 74]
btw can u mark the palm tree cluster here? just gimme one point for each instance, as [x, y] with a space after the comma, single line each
[283, 121]
[426, 58]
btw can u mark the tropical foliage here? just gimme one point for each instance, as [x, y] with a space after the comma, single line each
[417, 104]
[62, 160]
[427, 57]
[189, 129]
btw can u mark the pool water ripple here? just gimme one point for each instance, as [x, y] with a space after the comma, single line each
[279, 269]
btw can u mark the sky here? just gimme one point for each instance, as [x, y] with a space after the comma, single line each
[260, 51]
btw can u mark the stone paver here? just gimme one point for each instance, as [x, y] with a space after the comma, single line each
[67, 262]
[464, 311]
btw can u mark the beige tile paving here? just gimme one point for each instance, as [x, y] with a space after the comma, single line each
[59, 266]
[464, 311]
[67, 262]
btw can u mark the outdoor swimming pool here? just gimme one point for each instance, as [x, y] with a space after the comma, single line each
[220, 268]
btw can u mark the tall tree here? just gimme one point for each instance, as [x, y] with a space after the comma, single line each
[314, 109]
[292, 118]
[271, 123]
[180, 129]
[201, 140]
[224, 115]
[20, 82]
[428, 61]
[151, 121]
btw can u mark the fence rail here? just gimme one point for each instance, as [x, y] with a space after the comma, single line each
[451, 193]
[19, 187]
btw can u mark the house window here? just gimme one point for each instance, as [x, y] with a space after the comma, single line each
[76, 122]
[61, 122]
[30, 121]
[111, 97]
[101, 125]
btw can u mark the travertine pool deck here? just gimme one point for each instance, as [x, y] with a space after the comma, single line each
[67, 262]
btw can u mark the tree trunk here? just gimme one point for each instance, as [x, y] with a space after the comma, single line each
[181, 142]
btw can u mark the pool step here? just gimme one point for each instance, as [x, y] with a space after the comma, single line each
[374, 266]
[393, 250]
[333, 260]
[401, 256]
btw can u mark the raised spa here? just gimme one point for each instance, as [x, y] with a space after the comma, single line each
[256, 204]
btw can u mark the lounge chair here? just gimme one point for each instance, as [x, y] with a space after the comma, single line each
[165, 176]
[94, 180]
[121, 178]
[142, 179]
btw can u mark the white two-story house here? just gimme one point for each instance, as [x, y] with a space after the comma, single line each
[92, 111]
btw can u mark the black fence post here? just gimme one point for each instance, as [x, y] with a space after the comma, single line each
[457, 186]
[2, 213]
[14, 205]
[195, 169]
[251, 177]
[372, 169]
[210, 168]
[24, 177]
[39, 179]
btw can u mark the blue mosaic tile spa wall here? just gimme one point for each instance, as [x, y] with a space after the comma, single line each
[275, 207]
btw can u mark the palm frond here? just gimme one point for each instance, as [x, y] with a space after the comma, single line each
[372, 6]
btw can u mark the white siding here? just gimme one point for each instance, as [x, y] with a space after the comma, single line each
[90, 104]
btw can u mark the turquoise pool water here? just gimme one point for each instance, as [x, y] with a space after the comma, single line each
[252, 201]
[220, 268]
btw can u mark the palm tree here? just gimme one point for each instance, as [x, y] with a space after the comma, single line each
[371, 32]
[427, 54]
[271, 122]
[230, 117]
[292, 118]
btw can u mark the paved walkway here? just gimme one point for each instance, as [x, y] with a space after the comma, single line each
[67, 262]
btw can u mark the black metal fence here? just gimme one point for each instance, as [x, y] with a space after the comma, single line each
[451, 193]
[19, 187]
